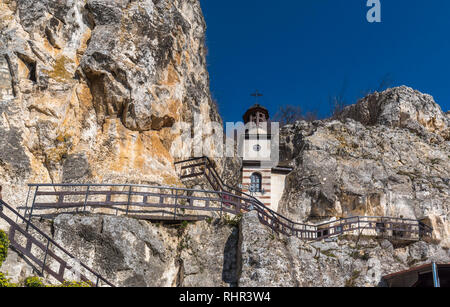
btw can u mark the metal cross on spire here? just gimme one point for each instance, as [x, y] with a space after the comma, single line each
[257, 94]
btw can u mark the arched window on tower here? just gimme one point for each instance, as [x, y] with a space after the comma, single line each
[256, 183]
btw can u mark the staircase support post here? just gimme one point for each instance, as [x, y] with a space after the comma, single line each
[221, 205]
[86, 198]
[45, 257]
[129, 199]
[31, 209]
[176, 204]
[26, 204]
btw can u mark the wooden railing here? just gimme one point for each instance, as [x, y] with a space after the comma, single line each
[46, 255]
[169, 203]
[139, 201]
[400, 228]
[378, 226]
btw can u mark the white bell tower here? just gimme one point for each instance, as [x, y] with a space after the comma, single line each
[260, 177]
[256, 179]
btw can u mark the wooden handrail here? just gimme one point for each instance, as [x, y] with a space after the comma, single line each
[423, 228]
[210, 201]
[44, 246]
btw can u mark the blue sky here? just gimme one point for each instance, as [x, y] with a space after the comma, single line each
[301, 52]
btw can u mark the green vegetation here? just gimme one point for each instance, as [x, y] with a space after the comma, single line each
[184, 224]
[357, 255]
[75, 284]
[36, 282]
[5, 282]
[33, 282]
[182, 227]
[352, 281]
[4, 244]
[232, 221]
[329, 253]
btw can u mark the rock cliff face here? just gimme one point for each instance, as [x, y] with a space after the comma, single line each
[218, 254]
[94, 90]
[388, 156]
[405, 108]
[272, 261]
[131, 253]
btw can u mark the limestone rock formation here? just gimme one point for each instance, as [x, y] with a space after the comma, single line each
[272, 261]
[401, 107]
[209, 255]
[132, 253]
[218, 254]
[126, 251]
[96, 90]
[383, 165]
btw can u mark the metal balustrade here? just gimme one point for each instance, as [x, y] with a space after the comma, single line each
[138, 201]
[169, 203]
[406, 229]
[46, 255]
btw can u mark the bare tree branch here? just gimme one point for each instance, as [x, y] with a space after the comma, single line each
[288, 115]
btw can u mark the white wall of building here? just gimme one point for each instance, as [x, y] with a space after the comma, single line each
[278, 182]
[250, 152]
[266, 184]
[255, 149]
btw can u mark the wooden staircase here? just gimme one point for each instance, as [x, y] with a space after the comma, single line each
[45, 254]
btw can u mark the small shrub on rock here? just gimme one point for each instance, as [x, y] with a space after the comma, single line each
[33, 282]
[4, 244]
[5, 282]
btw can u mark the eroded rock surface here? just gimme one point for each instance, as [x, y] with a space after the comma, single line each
[209, 255]
[132, 253]
[95, 90]
[216, 254]
[269, 260]
[380, 168]
[401, 107]
[126, 251]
